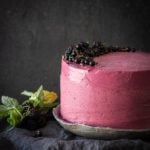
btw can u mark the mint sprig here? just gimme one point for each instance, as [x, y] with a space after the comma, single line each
[34, 97]
[15, 113]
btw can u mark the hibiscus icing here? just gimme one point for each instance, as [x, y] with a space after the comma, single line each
[113, 93]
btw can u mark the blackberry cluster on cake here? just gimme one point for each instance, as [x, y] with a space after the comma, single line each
[83, 53]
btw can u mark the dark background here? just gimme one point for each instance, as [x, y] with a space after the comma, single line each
[35, 33]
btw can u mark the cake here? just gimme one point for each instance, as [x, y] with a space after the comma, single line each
[105, 86]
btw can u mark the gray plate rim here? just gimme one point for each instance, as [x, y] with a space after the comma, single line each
[98, 131]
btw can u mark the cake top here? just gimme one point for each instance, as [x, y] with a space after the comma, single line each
[83, 53]
[124, 61]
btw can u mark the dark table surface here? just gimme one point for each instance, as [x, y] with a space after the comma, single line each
[55, 137]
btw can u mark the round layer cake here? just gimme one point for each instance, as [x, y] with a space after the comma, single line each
[114, 92]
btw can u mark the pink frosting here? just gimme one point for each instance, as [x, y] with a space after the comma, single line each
[114, 93]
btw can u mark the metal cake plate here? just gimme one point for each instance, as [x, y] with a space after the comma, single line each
[99, 132]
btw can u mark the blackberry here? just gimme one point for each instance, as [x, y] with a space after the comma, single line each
[87, 57]
[66, 56]
[68, 51]
[78, 47]
[97, 52]
[88, 53]
[82, 53]
[71, 58]
[91, 63]
[82, 61]
[92, 53]
[84, 44]
[82, 50]
[73, 54]
[86, 62]
[77, 60]
[97, 44]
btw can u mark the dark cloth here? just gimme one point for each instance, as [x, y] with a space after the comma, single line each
[56, 138]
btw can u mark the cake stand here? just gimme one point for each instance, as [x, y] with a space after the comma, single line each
[99, 132]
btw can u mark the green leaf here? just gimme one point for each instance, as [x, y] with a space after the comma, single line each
[27, 93]
[14, 118]
[9, 102]
[19, 108]
[39, 92]
[32, 95]
[3, 108]
[35, 102]
[36, 97]
[3, 111]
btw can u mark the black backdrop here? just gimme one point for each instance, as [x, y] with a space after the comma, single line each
[34, 34]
